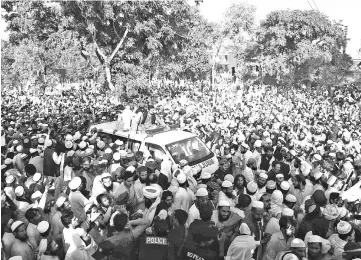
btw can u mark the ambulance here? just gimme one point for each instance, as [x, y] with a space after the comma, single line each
[175, 143]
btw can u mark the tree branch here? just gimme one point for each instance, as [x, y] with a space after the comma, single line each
[118, 46]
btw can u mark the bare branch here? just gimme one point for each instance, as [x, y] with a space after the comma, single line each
[119, 45]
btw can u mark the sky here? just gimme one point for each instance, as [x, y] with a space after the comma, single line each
[349, 11]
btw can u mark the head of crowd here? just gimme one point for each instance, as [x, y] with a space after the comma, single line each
[287, 185]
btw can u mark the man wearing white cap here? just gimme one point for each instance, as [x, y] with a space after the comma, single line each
[297, 247]
[242, 246]
[226, 218]
[255, 222]
[246, 153]
[10, 183]
[314, 246]
[345, 233]
[62, 205]
[77, 199]
[36, 160]
[182, 198]
[201, 197]
[116, 163]
[227, 194]
[151, 201]
[257, 152]
[21, 247]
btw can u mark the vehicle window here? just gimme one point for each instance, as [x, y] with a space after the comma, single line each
[155, 150]
[132, 145]
[192, 149]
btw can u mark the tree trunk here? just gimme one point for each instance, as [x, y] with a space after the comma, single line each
[108, 77]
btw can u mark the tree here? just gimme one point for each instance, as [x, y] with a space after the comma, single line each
[298, 46]
[41, 48]
[234, 32]
[130, 32]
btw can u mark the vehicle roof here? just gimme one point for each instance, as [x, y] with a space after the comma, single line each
[169, 137]
[162, 138]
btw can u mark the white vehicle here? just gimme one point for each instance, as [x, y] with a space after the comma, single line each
[176, 144]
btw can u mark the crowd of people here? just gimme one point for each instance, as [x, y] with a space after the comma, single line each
[288, 185]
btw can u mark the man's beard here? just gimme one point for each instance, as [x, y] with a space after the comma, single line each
[261, 186]
[220, 217]
[346, 142]
[229, 194]
[110, 188]
[148, 203]
[142, 180]
[243, 152]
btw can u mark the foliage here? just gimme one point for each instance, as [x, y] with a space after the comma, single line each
[235, 32]
[114, 42]
[299, 47]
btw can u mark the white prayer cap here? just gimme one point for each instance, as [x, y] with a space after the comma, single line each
[291, 198]
[37, 176]
[343, 227]
[257, 204]
[15, 225]
[43, 226]
[229, 177]
[201, 192]
[16, 258]
[74, 183]
[19, 148]
[32, 150]
[244, 145]
[252, 187]
[205, 175]
[68, 137]
[8, 161]
[258, 143]
[263, 175]
[293, 152]
[130, 168]
[314, 239]
[287, 212]
[244, 229]
[108, 150]
[285, 185]
[48, 142]
[60, 201]
[227, 184]
[317, 157]
[317, 175]
[82, 145]
[224, 203]
[68, 144]
[10, 179]
[116, 156]
[290, 257]
[181, 178]
[19, 191]
[36, 195]
[296, 242]
[151, 192]
[280, 175]
[118, 142]
[163, 214]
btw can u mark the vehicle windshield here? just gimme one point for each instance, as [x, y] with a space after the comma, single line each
[191, 149]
